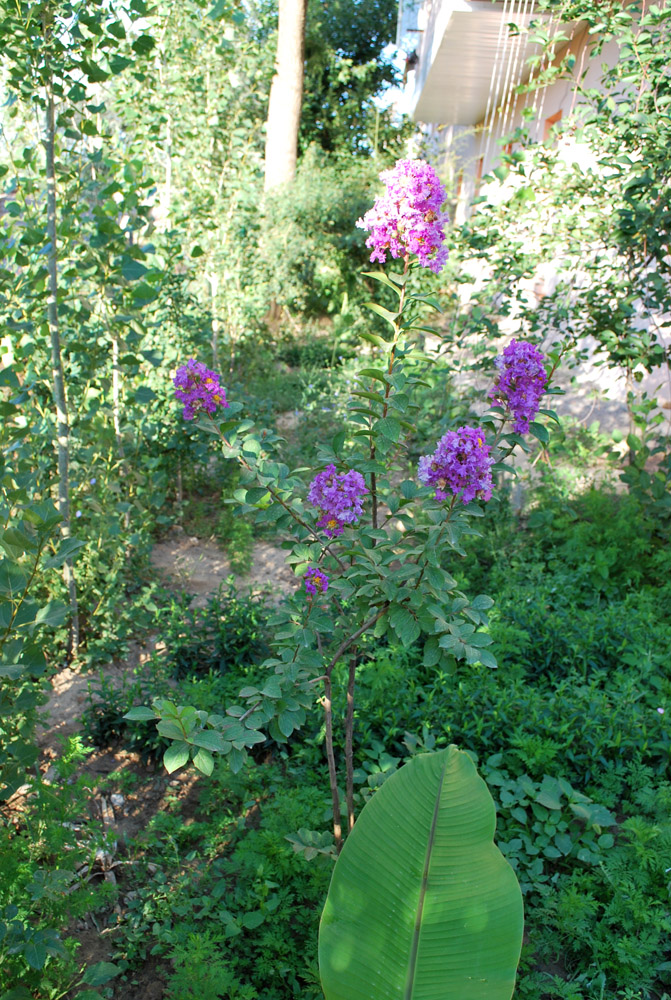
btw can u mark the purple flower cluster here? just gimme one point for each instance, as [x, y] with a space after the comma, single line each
[339, 496]
[520, 383]
[460, 464]
[198, 388]
[407, 218]
[316, 582]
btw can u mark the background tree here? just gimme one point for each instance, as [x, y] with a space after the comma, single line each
[286, 93]
[346, 73]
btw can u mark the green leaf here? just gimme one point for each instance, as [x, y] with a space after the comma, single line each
[218, 10]
[551, 414]
[374, 373]
[16, 542]
[272, 688]
[132, 269]
[209, 739]
[100, 973]
[140, 714]
[119, 63]
[487, 659]
[539, 431]
[12, 579]
[170, 729]
[372, 338]
[287, 723]
[12, 670]
[398, 279]
[376, 397]
[35, 954]
[143, 45]
[175, 756]
[255, 494]
[204, 761]
[563, 843]
[117, 29]
[550, 793]
[52, 614]
[143, 394]
[95, 73]
[482, 602]
[422, 904]
[428, 300]
[77, 93]
[431, 652]
[383, 279]
[66, 550]
[403, 624]
[390, 317]
[480, 639]
[389, 427]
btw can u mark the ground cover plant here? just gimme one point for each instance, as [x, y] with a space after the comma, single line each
[581, 789]
[133, 177]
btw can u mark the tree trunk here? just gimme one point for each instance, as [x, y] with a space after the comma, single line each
[62, 423]
[286, 94]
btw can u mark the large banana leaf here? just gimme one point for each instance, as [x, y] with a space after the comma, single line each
[422, 904]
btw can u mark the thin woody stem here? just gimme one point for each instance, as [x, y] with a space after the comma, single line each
[326, 701]
[330, 756]
[349, 743]
[58, 377]
[346, 643]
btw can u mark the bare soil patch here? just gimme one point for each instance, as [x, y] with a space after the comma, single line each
[61, 715]
[197, 566]
[200, 567]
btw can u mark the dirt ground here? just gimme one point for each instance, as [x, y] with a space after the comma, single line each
[195, 565]
[199, 566]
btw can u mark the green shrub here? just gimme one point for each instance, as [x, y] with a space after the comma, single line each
[228, 633]
[257, 905]
[104, 725]
[45, 879]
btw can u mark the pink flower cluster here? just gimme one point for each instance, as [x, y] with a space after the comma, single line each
[316, 582]
[198, 388]
[407, 218]
[460, 464]
[339, 497]
[521, 382]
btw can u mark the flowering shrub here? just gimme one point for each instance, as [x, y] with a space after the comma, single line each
[460, 464]
[407, 218]
[387, 574]
[521, 382]
[198, 388]
[339, 497]
[316, 582]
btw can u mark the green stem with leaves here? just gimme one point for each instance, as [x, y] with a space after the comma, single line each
[387, 389]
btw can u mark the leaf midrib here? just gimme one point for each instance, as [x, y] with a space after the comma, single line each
[412, 964]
